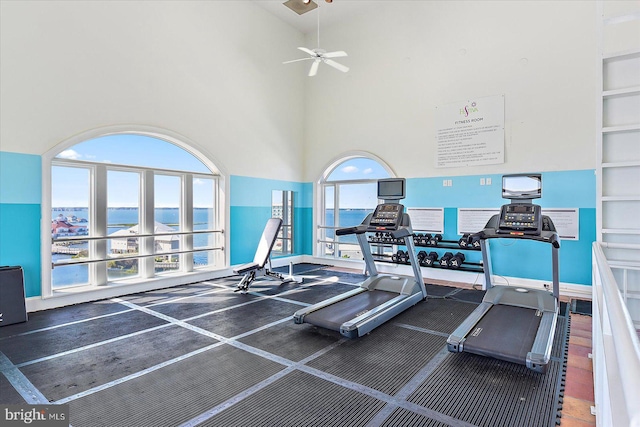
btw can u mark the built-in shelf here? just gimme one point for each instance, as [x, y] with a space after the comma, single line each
[631, 164]
[626, 265]
[623, 128]
[625, 54]
[621, 92]
[621, 198]
[620, 231]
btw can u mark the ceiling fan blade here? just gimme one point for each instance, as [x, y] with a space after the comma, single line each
[314, 68]
[309, 51]
[296, 60]
[337, 66]
[336, 54]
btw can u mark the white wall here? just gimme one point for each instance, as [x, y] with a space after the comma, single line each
[407, 57]
[209, 70]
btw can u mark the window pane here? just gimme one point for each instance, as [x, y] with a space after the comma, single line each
[356, 181]
[203, 219]
[123, 222]
[282, 207]
[326, 235]
[69, 218]
[358, 168]
[135, 150]
[356, 202]
[167, 219]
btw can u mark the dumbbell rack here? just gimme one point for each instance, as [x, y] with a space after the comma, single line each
[421, 240]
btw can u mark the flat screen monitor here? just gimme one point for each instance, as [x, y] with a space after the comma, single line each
[522, 186]
[391, 189]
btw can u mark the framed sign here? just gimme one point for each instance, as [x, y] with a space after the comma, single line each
[470, 133]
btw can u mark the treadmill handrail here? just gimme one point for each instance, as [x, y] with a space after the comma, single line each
[358, 229]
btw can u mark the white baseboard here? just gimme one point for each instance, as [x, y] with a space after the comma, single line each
[582, 291]
[78, 295]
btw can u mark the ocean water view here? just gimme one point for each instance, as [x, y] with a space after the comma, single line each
[124, 218]
[121, 218]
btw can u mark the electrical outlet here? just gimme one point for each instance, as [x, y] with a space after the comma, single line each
[482, 181]
[488, 181]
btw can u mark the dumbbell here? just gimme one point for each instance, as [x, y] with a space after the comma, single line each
[455, 261]
[400, 257]
[421, 256]
[474, 241]
[430, 259]
[464, 241]
[444, 261]
[435, 239]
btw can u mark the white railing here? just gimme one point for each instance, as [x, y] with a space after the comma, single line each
[616, 351]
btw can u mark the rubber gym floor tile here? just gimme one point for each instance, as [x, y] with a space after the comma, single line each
[218, 299]
[516, 394]
[8, 394]
[439, 290]
[403, 418]
[292, 341]
[385, 359]
[339, 276]
[469, 295]
[79, 371]
[176, 393]
[436, 314]
[61, 316]
[301, 268]
[161, 295]
[273, 287]
[24, 348]
[300, 399]
[314, 293]
[238, 320]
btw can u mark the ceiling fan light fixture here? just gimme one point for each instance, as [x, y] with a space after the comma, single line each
[301, 6]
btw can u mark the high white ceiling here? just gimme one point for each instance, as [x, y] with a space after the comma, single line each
[330, 13]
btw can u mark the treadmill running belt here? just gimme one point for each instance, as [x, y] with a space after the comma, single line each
[505, 332]
[334, 315]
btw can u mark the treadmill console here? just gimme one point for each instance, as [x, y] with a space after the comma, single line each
[387, 216]
[519, 219]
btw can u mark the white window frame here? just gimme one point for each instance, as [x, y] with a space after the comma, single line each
[287, 231]
[320, 186]
[147, 277]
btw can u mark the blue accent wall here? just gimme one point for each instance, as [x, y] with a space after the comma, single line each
[250, 207]
[510, 257]
[20, 207]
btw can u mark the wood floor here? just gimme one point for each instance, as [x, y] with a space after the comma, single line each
[578, 397]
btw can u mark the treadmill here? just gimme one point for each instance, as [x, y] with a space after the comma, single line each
[381, 296]
[513, 323]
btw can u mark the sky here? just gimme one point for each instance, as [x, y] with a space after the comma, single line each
[139, 150]
[123, 187]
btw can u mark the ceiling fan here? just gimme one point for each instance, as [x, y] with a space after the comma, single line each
[320, 55]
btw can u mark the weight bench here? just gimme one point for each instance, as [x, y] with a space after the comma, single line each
[258, 268]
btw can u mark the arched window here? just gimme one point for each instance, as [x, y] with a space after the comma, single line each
[347, 192]
[131, 205]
